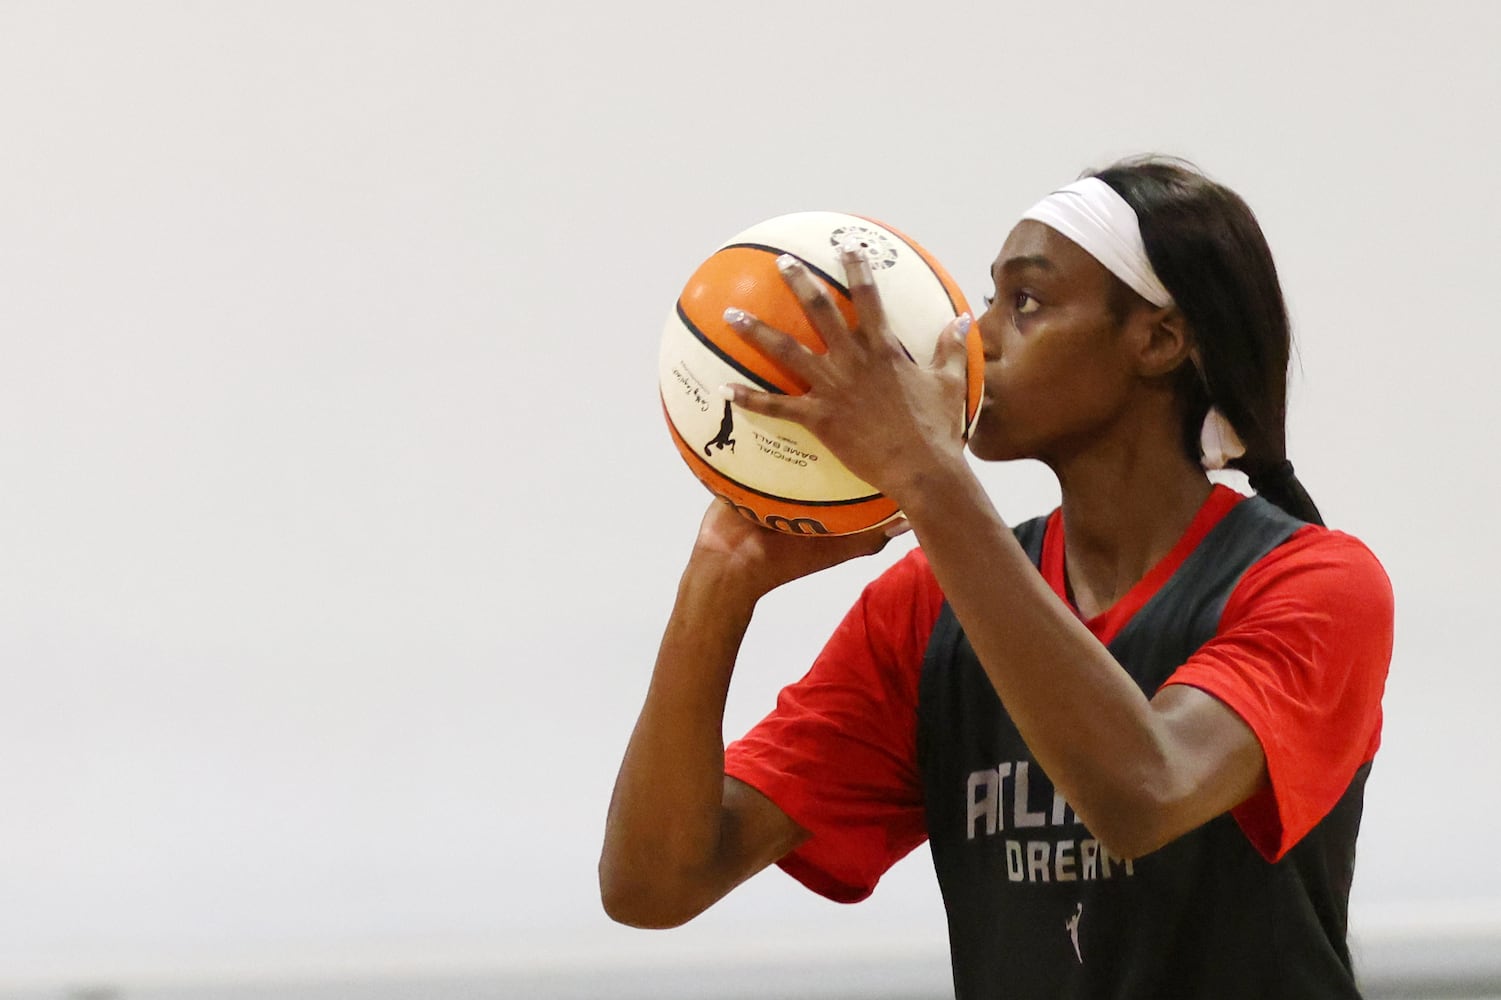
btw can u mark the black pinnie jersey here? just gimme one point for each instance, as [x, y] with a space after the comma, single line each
[1037, 908]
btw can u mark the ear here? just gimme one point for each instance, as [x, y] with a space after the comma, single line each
[1165, 343]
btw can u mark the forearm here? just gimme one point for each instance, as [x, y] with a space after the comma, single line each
[1086, 721]
[663, 830]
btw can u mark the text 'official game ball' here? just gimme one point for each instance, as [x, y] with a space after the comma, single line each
[773, 471]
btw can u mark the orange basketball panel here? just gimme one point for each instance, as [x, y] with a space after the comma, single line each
[747, 278]
[975, 370]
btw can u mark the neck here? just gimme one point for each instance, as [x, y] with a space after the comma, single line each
[1123, 510]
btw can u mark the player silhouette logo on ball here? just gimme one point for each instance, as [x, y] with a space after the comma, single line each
[722, 440]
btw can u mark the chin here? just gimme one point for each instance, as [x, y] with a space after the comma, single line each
[988, 446]
[992, 440]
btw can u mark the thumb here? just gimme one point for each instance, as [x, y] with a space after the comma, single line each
[951, 350]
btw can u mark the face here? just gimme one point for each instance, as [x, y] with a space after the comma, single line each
[1058, 367]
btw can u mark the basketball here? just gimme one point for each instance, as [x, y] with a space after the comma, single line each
[775, 472]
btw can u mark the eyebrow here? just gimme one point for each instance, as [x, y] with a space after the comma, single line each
[1036, 260]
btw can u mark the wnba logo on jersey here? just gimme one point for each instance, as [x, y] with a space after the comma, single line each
[1072, 926]
[1042, 857]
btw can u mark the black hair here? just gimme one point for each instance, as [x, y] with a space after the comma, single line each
[1209, 252]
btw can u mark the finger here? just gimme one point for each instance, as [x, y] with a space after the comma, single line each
[782, 348]
[899, 526]
[873, 540]
[817, 305]
[766, 404]
[869, 309]
[878, 541]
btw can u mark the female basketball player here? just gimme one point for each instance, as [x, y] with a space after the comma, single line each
[1136, 732]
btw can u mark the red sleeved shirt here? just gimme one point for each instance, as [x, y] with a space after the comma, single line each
[1301, 655]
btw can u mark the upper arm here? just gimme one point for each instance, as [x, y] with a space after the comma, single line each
[1300, 660]
[755, 833]
[1217, 761]
[837, 755]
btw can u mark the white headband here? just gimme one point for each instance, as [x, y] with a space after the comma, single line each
[1091, 214]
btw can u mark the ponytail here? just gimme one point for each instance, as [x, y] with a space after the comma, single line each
[1280, 485]
[1207, 249]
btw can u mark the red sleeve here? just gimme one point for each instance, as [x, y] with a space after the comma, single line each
[1301, 655]
[839, 753]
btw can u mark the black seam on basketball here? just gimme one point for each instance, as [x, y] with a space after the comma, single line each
[719, 352]
[672, 428]
[803, 503]
[826, 276]
[954, 306]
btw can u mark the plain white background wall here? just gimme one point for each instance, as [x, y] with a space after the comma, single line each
[338, 521]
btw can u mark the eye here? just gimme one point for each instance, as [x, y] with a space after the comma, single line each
[1024, 303]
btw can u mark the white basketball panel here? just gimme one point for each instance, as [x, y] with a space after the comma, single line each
[916, 303]
[770, 456]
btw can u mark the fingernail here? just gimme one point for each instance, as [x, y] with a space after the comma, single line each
[787, 263]
[849, 245]
[962, 325]
[726, 391]
[737, 318]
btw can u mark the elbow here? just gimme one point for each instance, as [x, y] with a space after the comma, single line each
[639, 910]
[1129, 840]
[644, 903]
[1137, 824]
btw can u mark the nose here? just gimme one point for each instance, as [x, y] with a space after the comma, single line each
[990, 339]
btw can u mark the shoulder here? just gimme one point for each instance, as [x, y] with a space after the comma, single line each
[1318, 567]
[1314, 616]
[911, 570]
[907, 583]
[897, 610]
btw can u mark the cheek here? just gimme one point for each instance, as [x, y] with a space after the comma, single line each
[1031, 377]
[1046, 385]
[1009, 414]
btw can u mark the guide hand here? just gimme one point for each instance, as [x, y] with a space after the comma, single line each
[761, 559]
